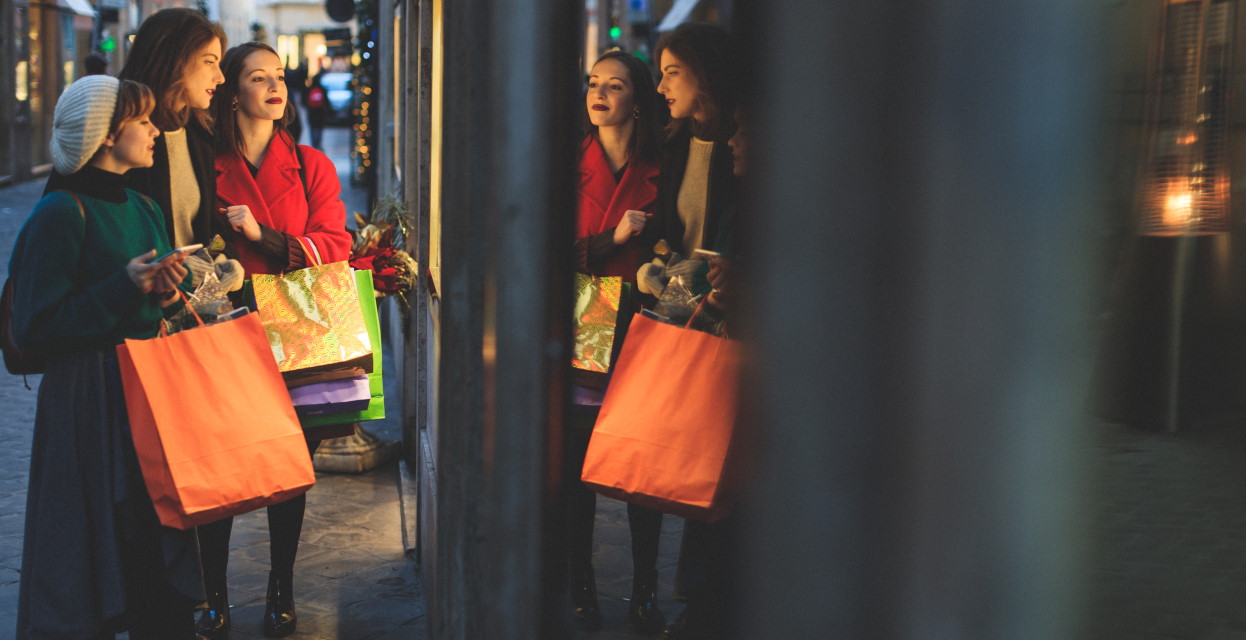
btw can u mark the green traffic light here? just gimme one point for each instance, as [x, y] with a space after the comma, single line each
[615, 32]
[108, 45]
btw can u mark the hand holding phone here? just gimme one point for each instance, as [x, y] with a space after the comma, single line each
[153, 275]
[190, 248]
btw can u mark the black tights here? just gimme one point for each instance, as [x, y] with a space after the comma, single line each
[580, 507]
[285, 525]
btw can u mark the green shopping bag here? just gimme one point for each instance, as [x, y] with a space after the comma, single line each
[376, 407]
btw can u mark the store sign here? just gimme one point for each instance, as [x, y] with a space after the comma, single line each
[637, 11]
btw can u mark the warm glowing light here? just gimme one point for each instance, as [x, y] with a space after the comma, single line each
[20, 88]
[1178, 209]
[1188, 138]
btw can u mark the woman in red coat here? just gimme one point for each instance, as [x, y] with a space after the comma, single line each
[618, 189]
[279, 202]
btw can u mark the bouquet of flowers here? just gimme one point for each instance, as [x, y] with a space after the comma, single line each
[378, 247]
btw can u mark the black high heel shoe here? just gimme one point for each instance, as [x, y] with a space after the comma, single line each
[585, 612]
[643, 610]
[279, 617]
[213, 622]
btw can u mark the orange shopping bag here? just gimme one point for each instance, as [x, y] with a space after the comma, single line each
[666, 425]
[212, 423]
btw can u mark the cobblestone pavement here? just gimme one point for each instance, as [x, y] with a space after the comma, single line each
[1171, 531]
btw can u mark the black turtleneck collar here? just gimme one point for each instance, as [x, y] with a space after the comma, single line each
[91, 181]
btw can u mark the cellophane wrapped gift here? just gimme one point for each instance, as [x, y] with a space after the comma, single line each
[313, 319]
[596, 319]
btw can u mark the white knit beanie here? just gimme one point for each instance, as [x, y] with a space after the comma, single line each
[80, 123]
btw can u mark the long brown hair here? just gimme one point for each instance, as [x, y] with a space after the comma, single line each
[228, 135]
[708, 55]
[160, 57]
[652, 113]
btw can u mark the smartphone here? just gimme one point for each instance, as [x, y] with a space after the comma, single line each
[653, 315]
[186, 249]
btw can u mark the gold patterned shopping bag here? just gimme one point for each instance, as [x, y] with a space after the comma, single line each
[596, 319]
[313, 319]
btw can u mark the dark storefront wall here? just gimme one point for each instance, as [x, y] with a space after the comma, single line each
[8, 108]
[45, 45]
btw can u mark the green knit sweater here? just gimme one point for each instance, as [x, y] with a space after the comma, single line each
[71, 289]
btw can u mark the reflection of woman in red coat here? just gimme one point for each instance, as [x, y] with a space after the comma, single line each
[280, 203]
[618, 189]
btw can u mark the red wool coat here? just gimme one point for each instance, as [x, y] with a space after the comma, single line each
[277, 200]
[602, 203]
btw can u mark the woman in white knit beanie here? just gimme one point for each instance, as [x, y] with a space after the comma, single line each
[95, 560]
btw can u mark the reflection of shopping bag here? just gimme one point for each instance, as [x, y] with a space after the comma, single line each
[313, 320]
[212, 423]
[376, 383]
[667, 422]
[597, 301]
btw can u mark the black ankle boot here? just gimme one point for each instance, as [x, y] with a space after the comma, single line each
[279, 617]
[584, 599]
[213, 623]
[643, 611]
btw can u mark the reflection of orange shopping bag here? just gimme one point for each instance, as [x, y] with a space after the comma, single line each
[667, 421]
[212, 423]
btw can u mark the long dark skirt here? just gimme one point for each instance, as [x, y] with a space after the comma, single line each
[95, 557]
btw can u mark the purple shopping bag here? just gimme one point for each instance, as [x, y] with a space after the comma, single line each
[333, 396]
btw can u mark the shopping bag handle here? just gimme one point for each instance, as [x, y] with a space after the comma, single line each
[696, 313]
[309, 250]
[164, 329]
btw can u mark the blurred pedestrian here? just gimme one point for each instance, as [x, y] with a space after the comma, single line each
[696, 189]
[295, 126]
[280, 203]
[296, 83]
[95, 559]
[316, 101]
[618, 189]
[95, 65]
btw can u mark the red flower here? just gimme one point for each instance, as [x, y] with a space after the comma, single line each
[385, 279]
